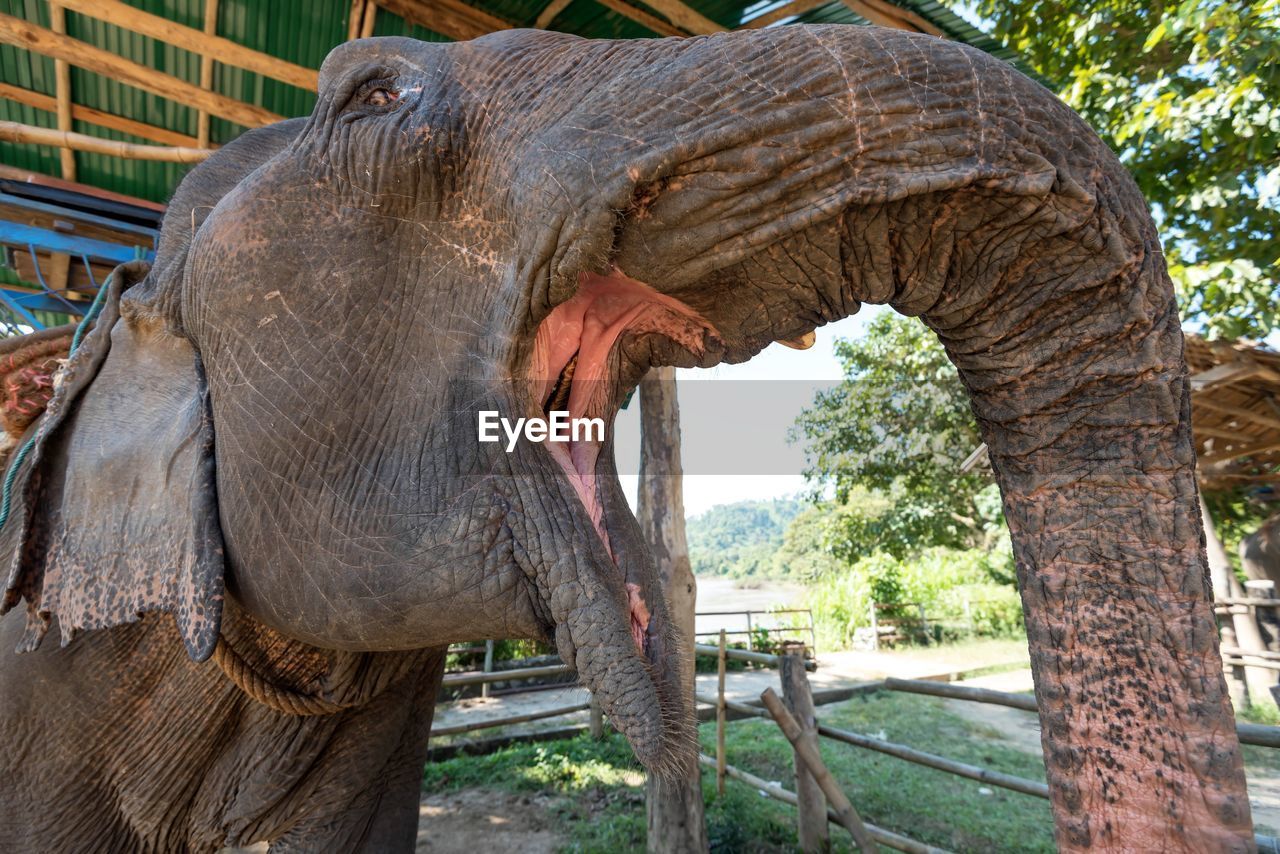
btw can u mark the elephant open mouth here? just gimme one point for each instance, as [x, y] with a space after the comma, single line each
[578, 366]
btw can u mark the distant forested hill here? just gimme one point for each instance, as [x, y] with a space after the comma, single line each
[741, 539]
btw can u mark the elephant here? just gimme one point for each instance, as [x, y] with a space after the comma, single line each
[258, 509]
[1260, 551]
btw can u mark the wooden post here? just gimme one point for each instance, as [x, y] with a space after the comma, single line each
[812, 818]
[206, 71]
[968, 616]
[354, 18]
[1237, 683]
[1247, 635]
[676, 824]
[370, 18]
[924, 625]
[488, 666]
[1268, 618]
[596, 723]
[849, 817]
[722, 718]
[875, 628]
[750, 640]
[62, 86]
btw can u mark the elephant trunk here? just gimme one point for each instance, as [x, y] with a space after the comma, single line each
[627, 668]
[891, 168]
[1082, 397]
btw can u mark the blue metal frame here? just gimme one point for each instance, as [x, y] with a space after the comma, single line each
[17, 234]
[19, 303]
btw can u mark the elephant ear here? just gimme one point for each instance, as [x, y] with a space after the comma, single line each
[114, 508]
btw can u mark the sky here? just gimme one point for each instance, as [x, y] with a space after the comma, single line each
[734, 421]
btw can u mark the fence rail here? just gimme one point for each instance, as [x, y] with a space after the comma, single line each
[751, 628]
[1255, 734]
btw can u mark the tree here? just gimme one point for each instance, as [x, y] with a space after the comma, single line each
[676, 822]
[1188, 95]
[898, 428]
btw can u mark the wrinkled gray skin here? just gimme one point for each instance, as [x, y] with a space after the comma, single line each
[336, 297]
[1260, 552]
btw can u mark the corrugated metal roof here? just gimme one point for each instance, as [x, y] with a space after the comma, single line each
[302, 32]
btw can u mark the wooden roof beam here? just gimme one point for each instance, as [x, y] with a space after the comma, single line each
[196, 41]
[20, 33]
[787, 10]
[451, 18]
[89, 115]
[1238, 451]
[1205, 401]
[641, 17]
[1227, 372]
[685, 17]
[886, 14]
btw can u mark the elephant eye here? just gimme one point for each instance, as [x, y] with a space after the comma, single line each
[380, 97]
[377, 93]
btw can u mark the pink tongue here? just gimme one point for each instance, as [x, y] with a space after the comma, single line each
[590, 324]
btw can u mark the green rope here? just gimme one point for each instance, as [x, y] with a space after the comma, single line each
[6, 492]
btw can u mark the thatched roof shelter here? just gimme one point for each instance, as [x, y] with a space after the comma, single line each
[1235, 412]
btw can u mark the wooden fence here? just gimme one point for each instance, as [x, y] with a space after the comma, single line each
[816, 787]
[795, 715]
[458, 680]
[753, 627]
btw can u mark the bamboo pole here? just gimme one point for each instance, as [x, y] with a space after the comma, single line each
[941, 763]
[745, 709]
[17, 132]
[962, 692]
[722, 718]
[1256, 734]
[849, 817]
[20, 33]
[743, 655]
[773, 790]
[596, 721]
[812, 806]
[512, 719]
[197, 41]
[89, 115]
[1264, 654]
[456, 680]
[206, 71]
[62, 88]
[488, 665]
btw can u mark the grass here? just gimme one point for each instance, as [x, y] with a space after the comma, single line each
[602, 787]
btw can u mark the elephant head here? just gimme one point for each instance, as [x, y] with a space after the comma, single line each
[528, 222]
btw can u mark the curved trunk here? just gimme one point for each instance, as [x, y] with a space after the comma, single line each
[882, 167]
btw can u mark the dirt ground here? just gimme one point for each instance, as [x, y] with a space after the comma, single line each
[475, 821]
